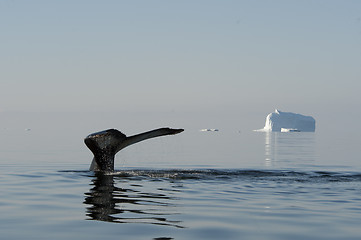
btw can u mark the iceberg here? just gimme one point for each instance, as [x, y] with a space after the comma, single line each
[289, 122]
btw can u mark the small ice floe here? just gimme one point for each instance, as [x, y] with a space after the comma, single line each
[289, 130]
[209, 130]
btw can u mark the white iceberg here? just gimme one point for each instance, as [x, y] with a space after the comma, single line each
[289, 122]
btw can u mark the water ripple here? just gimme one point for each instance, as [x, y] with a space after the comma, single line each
[231, 174]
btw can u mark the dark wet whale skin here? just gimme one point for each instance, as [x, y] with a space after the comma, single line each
[105, 144]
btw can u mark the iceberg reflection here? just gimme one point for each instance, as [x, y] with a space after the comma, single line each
[289, 148]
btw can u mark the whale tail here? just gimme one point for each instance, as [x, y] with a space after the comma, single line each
[105, 144]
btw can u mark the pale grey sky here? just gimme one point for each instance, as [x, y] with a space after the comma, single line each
[175, 55]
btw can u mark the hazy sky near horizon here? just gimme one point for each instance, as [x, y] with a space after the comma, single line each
[167, 55]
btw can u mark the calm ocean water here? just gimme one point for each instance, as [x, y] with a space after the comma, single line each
[231, 184]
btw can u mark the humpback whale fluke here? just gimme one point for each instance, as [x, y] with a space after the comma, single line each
[105, 144]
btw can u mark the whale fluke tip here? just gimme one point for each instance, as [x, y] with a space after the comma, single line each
[175, 131]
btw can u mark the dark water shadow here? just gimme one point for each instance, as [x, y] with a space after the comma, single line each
[107, 202]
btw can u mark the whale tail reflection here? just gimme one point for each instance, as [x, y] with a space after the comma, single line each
[107, 202]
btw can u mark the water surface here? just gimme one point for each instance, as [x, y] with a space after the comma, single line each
[198, 185]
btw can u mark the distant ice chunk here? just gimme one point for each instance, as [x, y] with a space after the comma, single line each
[289, 130]
[209, 130]
[289, 122]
